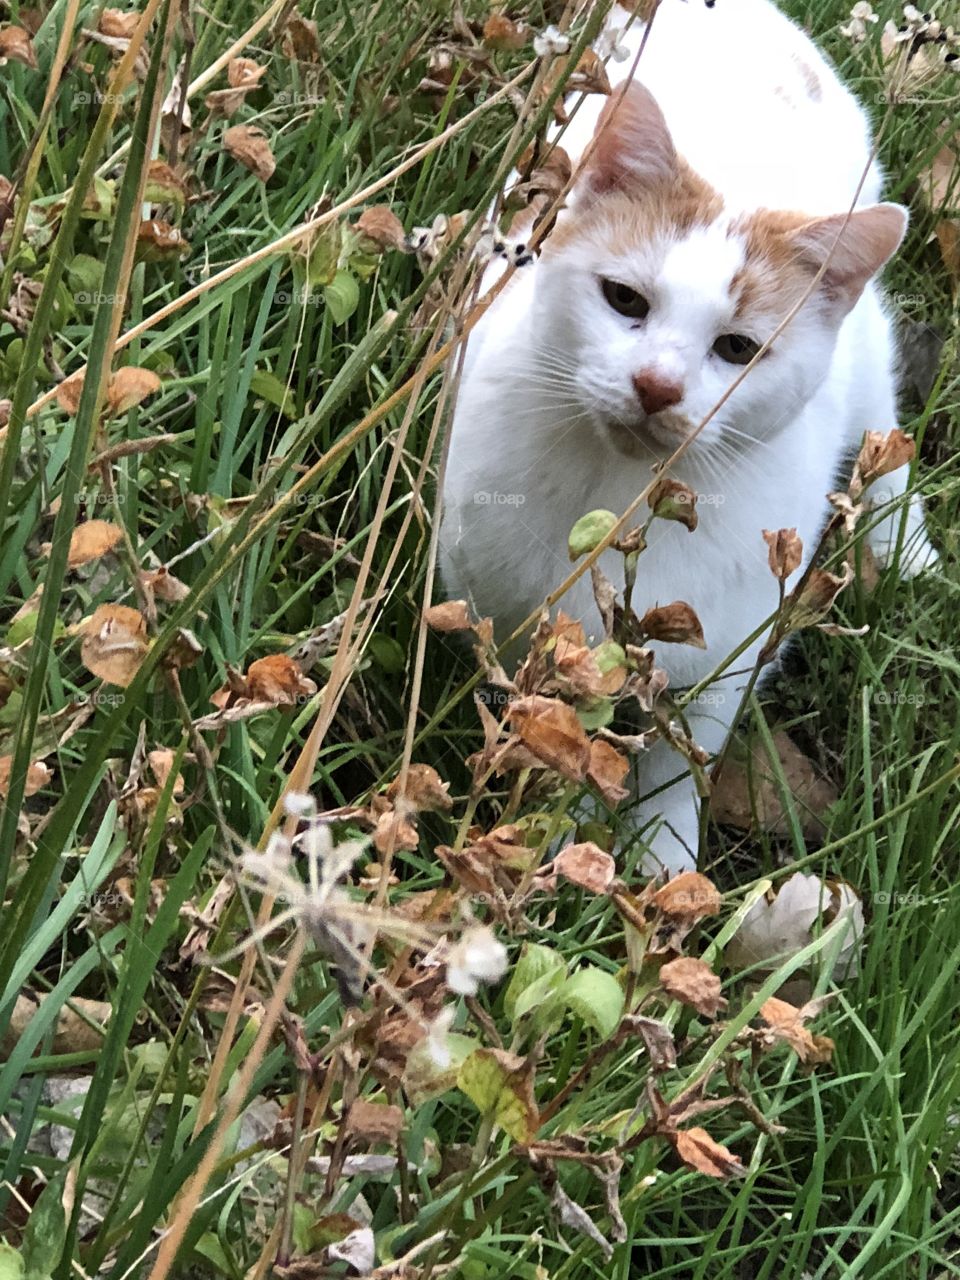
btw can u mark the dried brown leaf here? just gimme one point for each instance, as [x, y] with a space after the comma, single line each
[16, 46]
[382, 226]
[248, 145]
[114, 643]
[38, 775]
[697, 1149]
[450, 615]
[675, 623]
[607, 770]
[693, 983]
[785, 552]
[91, 540]
[550, 730]
[586, 865]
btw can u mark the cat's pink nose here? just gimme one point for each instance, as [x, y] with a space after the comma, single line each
[656, 392]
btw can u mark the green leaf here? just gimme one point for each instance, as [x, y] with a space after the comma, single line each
[424, 1078]
[46, 1231]
[501, 1084]
[11, 1262]
[387, 653]
[589, 531]
[267, 386]
[536, 962]
[342, 295]
[596, 714]
[609, 655]
[596, 997]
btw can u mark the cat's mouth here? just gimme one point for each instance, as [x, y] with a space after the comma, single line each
[658, 433]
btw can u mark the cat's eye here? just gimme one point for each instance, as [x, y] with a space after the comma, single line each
[735, 348]
[625, 300]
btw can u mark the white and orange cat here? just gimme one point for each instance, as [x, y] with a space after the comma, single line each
[715, 192]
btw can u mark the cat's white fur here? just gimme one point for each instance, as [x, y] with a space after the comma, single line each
[757, 112]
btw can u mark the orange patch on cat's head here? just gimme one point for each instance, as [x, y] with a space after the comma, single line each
[784, 252]
[674, 205]
[633, 185]
[775, 274]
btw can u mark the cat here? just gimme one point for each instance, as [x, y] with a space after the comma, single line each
[715, 190]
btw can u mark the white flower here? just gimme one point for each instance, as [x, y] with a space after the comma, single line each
[297, 804]
[477, 957]
[856, 28]
[438, 1047]
[550, 42]
[608, 43]
[773, 931]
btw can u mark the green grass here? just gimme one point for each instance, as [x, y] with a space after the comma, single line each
[863, 1181]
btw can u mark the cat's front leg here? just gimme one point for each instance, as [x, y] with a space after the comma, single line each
[917, 552]
[670, 820]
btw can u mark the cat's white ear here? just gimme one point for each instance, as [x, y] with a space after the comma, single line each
[854, 252]
[632, 147]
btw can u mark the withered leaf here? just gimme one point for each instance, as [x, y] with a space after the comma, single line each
[249, 145]
[158, 241]
[586, 865]
[394, 831]
[161, 766]
[300, 40]
[91, 540]
[423, 789]
[382, 226]
[697, 1149]
[16, 45]
[688, 896]
[164, 585]
[163, 186]
[38, 775]
[675, 623]
[68, 393]
[244, 73]
[450, 615]
[786, 1023]
[374, 1122]
[746, 795]
[693, 983]
[128, 387]
[607, 770]
[785, 552]
[278, 679]
[73, 1032]
[500, 32]
[118, 23]
[550, 730]
[670, 499]
[882, 453]
[114, 643]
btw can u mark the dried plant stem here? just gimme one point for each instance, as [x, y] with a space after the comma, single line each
[239, 1088]
[292, 238]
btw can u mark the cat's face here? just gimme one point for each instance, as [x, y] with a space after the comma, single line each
[651, 297]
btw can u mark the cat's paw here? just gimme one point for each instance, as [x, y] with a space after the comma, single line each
[917, 553]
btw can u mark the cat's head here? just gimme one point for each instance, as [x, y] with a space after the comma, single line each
[651, 296]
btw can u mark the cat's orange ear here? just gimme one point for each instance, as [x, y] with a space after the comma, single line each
[853, 252]
[632, 147]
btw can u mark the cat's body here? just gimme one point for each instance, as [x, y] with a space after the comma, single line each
[707, 226]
